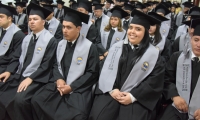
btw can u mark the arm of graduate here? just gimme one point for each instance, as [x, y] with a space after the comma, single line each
[149, 91]
[170, 90]
[90, 77]
[16, 43]
[92, 34]
[43, 73]
[100, 47]
[175, 47]
[59, 34]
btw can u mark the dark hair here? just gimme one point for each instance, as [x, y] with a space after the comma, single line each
[144, 44]
[157, 34]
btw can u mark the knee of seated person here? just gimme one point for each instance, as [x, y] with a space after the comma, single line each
[20, 99]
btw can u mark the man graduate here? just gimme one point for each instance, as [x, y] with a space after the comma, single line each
[34, 62]
[10, 36]
[182, 81]
[52, 24]
[68, 95]
[59, 11]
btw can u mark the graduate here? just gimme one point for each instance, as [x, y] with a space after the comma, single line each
[101, 20]
[59, 11]
[127, 20]
[10, 36]
[21, 19]
[89, 30]
[10, 39]
[181, 16]
[107, 6]
[139, 6]
[158, 39]
[182, 81]
[31, 66]
[131, 80]
[68, 94]
[113, 32]
[52, 24]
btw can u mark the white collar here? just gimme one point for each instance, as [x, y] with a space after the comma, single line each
[7, 28]
[39, 33]
[152, 36]
[49, 21]
[193, 56]
[114, 28]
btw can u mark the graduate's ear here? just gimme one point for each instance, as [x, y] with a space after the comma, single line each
[79, 28]
[9, 18]
[43, 21]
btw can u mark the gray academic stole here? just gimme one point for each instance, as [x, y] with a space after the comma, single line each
[85, 28]
[179, 18]
[79, 59]
[7, 39]
[181, 30]
[53, 26]
[161, 44]
[61, 14]
[184, 40]
[139, 72]
[21, 19]
[104, 22]
[116, 37]
[183, 83]
[38, 54]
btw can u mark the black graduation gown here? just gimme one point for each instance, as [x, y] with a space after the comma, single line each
[167, 51]
[170, 89]
[98, 24]
[15, 43]
[92, 34]
[59, 34]
[147, 94]
[175, 47]
[21, 103]
[49, 105]
[24, 26]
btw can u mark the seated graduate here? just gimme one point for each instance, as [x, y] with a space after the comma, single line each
[127, 20]
[88, 30]
[10, 36]
[158, 39]
[59, 10]
[112, 33]
[31, 66]
[21, 19]
[52, 24]
[182, 81]
[68, 95]
[131, 80]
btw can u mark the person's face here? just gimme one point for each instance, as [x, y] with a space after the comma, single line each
[118, 3]
[173, 9]
[185, 9]
[190, 31]
[98, 13]
[152, 30]
[114, 21]
[82, 10]
[36, 23]
[19, 9]
[70, 31]
[107, 5]
[135, 33]
[145, 10]
[195, 42]
[154, 5]
[5, 20]
[59, 6]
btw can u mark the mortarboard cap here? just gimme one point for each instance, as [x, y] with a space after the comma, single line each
[35, 2]
[174, 5]
[96, 2]
[128, 7]
[147, 4]
[21, 4]
[140, 5]
[187, 4]
[194, 11]
[34, 9]
[143, 19]
[7, 10]
[71, 1]
[98, 6]
[158, 17]
[75, 17]
[194, 24]
[118, 12]
[60, 2]
[84, 4]
[49, 7]
[162, 8]
[74, 6]
[110, 1]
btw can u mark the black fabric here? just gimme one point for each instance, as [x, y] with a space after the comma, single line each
[92, 34]
[2, 34]
[19, 17]
[57, 13]
[46, 25]
[125, 25]
[98, 24]
[109, 40]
